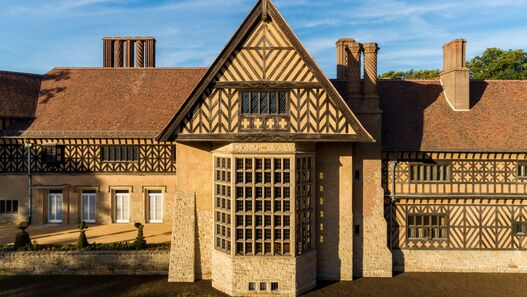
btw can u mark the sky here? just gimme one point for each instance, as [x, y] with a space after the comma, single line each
[37, 35]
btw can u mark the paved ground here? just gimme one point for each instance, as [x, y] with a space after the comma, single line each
[59, 234]
[404, 285]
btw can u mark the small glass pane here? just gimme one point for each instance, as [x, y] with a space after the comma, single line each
[264, 103]
[246, 102]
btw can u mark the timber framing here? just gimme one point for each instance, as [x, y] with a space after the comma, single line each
[208, 81]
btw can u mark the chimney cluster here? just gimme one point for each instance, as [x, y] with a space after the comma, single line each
[455, 77]
[136, 52]
[349, 55]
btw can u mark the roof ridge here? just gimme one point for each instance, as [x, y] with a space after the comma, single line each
[19, 73]
[129, 68]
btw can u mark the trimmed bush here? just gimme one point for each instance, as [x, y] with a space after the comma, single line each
[82, 241]
[140, 241]
[22, 239]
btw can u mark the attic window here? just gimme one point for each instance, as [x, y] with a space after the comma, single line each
[430, 172]
[522, 170]
[52, 154]
[263, 103]
[120, 153]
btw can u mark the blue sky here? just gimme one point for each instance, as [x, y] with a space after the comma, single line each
[37, 35]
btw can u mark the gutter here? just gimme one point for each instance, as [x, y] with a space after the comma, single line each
[30, 182]
[392, 201]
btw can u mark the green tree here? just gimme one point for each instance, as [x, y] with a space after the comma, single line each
[496, 63]
[412, 74]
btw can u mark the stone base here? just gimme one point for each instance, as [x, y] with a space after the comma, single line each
[291, 275]
[460, 261]
[182, 249]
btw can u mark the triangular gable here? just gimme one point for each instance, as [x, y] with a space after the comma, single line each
[264, 54]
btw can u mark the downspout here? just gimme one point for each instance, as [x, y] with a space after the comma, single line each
[392, 201]
[30, 182]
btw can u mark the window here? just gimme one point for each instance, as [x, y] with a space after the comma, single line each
[263, 286]
[88, 204]
[427, 226]
[274, 286]
[155, 206]
[120, 153]
[121, 206]
[522, 170]
[52, 154]
[430, 172]
[263, 103]
[222, 187]
[519, 228]
[55, 206]
[304, 203]
[252, 286]
[8, 206]
[263, 206]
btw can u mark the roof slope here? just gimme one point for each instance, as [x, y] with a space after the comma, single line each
[416, 116]
[103, 102]
[18, 94]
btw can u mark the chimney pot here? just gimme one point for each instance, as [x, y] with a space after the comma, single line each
[370, 71]
[455, 77]
[348, 66]
[120, 52]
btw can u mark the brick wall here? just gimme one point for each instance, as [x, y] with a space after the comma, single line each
[460, 261]
[85, 263]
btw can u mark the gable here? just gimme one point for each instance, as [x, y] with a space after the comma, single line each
[265, 57]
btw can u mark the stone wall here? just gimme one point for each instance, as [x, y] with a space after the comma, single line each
[84, 263]
[293, 275]
[460, 261]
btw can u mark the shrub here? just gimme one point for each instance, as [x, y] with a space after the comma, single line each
[22, 239]
[140, 242]
[82, 241]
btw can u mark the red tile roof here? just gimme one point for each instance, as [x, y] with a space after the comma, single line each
[18, 94]
[416, 116]
[109, 102]
[103, 102]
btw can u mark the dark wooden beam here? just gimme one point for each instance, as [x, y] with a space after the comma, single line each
[266, 85]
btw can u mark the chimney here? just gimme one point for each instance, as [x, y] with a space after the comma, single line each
[119, 52]
[348, 66]
[371, 95]
[455, 75]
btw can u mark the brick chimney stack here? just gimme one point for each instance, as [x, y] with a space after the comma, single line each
[455, 77]
[370, 72]
[119, 52]
[348, 66]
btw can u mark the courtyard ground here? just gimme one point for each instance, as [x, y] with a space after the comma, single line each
[404, 285]
[59, 234]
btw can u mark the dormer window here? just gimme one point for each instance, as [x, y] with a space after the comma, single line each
[264, 103]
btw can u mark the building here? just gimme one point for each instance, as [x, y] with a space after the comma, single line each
[272, 175]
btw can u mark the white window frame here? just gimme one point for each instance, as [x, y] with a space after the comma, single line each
[57, 211]
[85, 194]
[159, 195]
[126, 217]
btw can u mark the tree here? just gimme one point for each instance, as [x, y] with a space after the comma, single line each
[496, 63]
[412, 74]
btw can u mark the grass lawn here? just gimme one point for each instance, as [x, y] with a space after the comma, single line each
[404, 285]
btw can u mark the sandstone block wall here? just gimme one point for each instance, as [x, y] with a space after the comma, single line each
[182, 249]
[460, 261]
[84, 263]
[292, 275]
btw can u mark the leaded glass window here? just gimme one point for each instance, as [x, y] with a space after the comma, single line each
[264, 103]
[222, 209]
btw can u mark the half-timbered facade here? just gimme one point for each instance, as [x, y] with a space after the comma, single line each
[272, 175]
